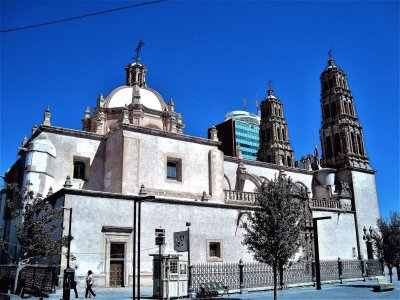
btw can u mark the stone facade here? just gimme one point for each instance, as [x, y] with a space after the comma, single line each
[134, 138]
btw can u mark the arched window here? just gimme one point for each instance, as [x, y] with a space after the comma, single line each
[289, 161]
[360, 145]
[79, 169]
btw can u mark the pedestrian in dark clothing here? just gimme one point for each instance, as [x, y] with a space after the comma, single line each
[74, 285]
[89, 283]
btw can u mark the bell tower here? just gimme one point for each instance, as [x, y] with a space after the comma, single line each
[341, 134]
[274, 135]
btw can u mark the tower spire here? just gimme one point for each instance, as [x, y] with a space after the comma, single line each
[274, 138]
[341, 134]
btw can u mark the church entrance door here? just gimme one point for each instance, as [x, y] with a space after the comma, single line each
[117, 258]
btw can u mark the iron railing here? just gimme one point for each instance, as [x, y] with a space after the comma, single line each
[30, 276]
[260, 276]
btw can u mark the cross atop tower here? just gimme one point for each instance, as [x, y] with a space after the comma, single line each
[270, 90]
[137, 50]
[330, 53]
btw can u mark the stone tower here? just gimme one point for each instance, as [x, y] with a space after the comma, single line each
[341, 134]
[274, 136]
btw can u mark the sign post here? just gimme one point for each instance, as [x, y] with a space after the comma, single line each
[160, 240]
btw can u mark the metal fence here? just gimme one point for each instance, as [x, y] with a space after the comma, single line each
[30, 276]
[258, 276]
[228, 273]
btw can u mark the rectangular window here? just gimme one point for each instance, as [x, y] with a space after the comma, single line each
[214, 250]
[174, 169]
[81, 167]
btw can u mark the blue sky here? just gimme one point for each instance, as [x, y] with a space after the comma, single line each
[207, 56]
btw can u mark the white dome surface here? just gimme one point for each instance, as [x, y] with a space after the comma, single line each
[123, 96]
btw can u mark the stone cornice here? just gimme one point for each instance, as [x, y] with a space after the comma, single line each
[112, 196]
[170, 135]
[359, 170]
[66, 131]
[266, 165]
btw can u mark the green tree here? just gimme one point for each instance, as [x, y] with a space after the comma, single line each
[386, 240]
[273, 230]
[37, 225]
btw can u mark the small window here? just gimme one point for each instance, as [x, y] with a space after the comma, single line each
[79, 170]
[171, 170]
[174, 169]
[214, 250]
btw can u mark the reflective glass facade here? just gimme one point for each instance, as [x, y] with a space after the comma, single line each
[247, 137]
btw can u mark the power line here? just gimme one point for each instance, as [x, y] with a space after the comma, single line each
[83, 16]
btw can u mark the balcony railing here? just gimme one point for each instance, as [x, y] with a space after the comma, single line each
[240, 197]
[330, 204]
[249, 198]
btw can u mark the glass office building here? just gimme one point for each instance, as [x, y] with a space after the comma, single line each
[240, 128]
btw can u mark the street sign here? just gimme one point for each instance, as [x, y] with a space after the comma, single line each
[181, 241]
[160, 240]
[159, 232]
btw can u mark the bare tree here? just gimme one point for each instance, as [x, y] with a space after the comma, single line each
[273, 230]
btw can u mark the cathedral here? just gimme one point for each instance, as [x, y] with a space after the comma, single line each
[133, 143]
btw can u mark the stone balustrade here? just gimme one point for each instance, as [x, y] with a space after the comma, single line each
[330, 204]
[238, 196]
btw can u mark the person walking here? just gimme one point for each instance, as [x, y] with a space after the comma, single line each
[89, 283]
[74, 283]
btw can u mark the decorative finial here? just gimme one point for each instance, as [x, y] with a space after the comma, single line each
[125, 115]
[68, 183]
[87, 113]
[46, 117]
[142, 191]
[214, 133]
[50, 192]
[330, 53]
[204, 196]
[171, 104]
[244, 103]
[34, 128]
[24, 141]
[100, 101]
[137, 50]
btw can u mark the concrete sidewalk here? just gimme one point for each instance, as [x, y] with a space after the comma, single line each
[358, 290]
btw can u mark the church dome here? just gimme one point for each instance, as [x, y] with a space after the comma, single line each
[123, 95]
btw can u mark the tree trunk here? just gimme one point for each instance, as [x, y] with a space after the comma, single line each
[281, 276]
[275, 270]
[390, 273]
[397, 268]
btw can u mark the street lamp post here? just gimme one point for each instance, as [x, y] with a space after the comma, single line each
[190, 289]
[317, 264]
[367, 237]
[137, 237]
[68, 272]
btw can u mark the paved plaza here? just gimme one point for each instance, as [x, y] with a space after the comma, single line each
[358, 290]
